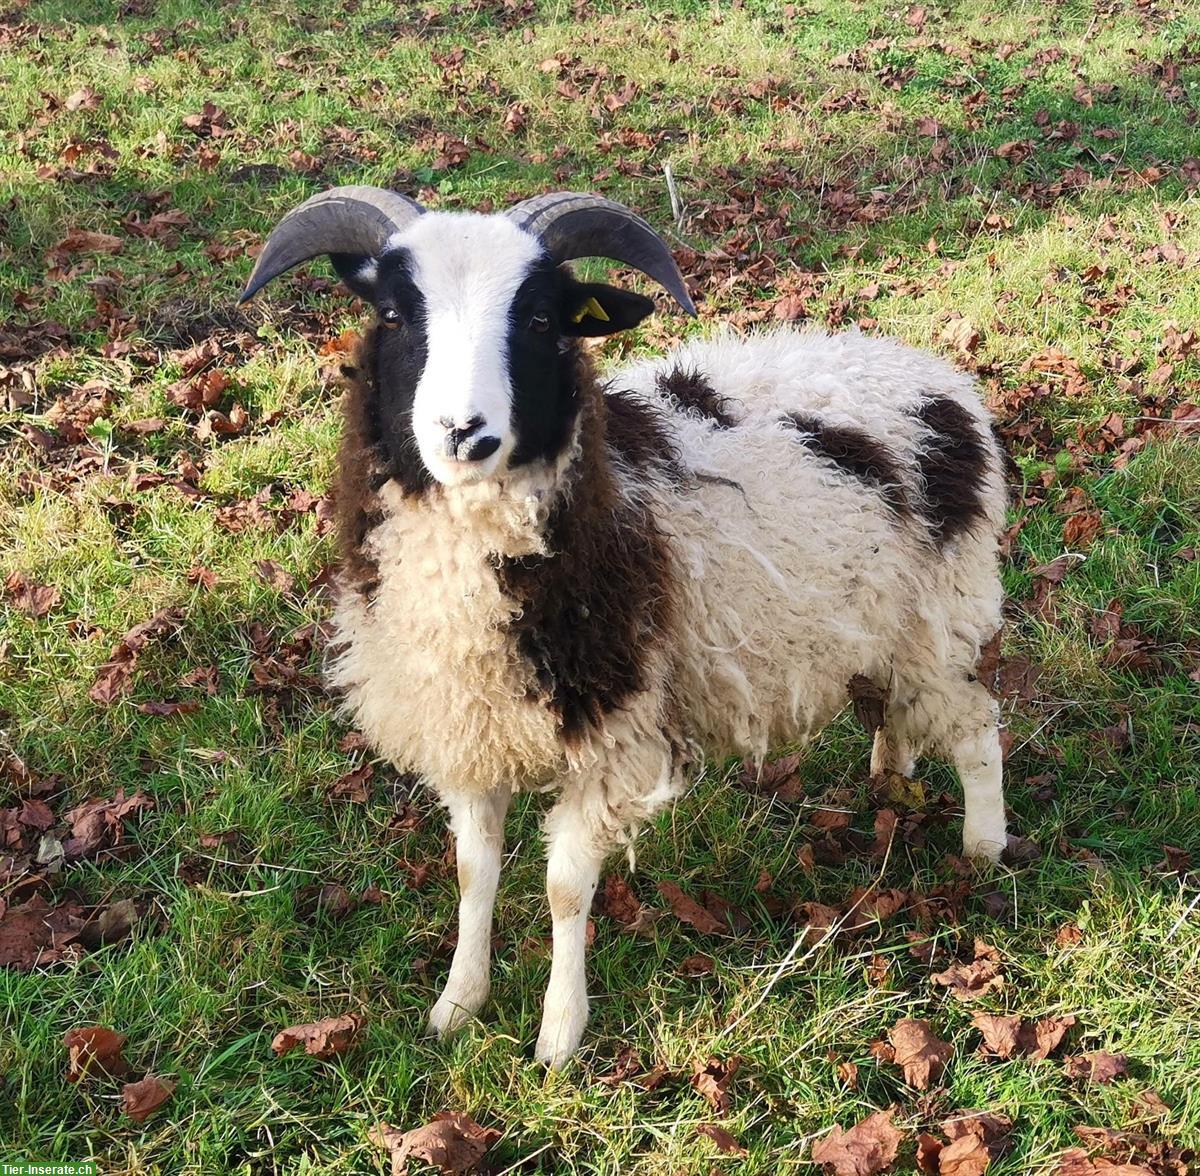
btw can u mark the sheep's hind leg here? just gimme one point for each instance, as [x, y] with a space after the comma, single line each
[478, 824]
[966, 721]
[572, 875]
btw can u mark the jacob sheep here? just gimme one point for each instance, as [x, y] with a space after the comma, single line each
[552, 583]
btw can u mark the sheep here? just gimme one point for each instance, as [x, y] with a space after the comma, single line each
[549, 583]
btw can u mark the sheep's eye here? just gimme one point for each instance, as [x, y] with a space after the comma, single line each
[540, 323]
[390, 317]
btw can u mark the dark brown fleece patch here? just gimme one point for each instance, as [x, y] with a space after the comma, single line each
[953, 464]
[691, 392]
[855, 452]
[361, 471]
[639, 434]
[869, 702]
[599, 605]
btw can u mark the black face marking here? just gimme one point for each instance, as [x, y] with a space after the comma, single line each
[953, 464]
[691, 392]
[395, 366]
[540, 371]
[855, 452]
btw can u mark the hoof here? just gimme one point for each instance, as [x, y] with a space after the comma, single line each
[561, 1033]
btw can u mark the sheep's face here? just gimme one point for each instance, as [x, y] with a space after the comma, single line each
[475, 367]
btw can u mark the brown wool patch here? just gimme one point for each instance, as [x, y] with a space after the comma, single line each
[595, 609]
[857, 453]
[640, 435]
[953, 465]
[691, 392]
[361, 471]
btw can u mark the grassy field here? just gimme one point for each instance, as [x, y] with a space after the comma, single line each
[1013, 185]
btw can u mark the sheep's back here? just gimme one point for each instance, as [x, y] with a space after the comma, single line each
[836, 512]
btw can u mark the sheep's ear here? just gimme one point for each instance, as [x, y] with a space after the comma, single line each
[595, 309]
[357, 273]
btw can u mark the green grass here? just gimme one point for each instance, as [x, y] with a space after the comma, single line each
[1063, 249]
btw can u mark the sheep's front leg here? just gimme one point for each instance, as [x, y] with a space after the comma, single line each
[572, 874]
[478, 824]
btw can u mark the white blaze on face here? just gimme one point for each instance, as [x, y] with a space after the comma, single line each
[467, 267]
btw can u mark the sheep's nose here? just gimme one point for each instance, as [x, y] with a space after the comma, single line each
[464, 442]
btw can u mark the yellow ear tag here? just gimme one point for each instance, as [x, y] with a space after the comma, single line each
[590, 309]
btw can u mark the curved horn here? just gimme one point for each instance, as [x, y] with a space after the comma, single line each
[356, 219]
[575, 224]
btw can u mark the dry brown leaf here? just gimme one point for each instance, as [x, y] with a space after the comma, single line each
[919, 1052]
[961, 334]
[1001, 1035]
[1009, 1037]
[688, 910]
[867, 1148]
[1076, 1162]
[321, 1039]
[1097, 1066]
[35, 600]
[929, 1147]
[453, 1143]
[778, 779]
[975, 1139]
[1081, 529]
[139, 1100]
[352, 786]
[115, 677]
[86, 241]
[34, 934]
[723, 1139]
[93, 1051]
[618, 901]
[970, 981]
[711, 1079]
[271, 573]
[100, 824]
[697, 965]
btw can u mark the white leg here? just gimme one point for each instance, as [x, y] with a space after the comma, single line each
[977, 757]
[478, 824]
[572, 874]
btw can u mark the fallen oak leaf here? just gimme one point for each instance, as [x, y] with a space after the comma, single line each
[968, 981]
[1097, 1066]
[275, 576]
[99, 824]
[711, 1080]
[35, 600]
[164, 709]
[352, 786]
[724, 1140]
[919, 1052]
[688, 910]
[975, 1139]
[139, 1100]
[1076, 1162]
[1009, 1037]
[453, 1143]
[777, 779]
[865, 1149]
[115, 677]
[321, 1039]
[93, 1051]
[35, 934]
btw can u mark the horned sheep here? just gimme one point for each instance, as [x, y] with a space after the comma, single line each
[553, 583]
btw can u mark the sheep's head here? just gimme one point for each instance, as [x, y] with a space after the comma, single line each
[473, 365]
